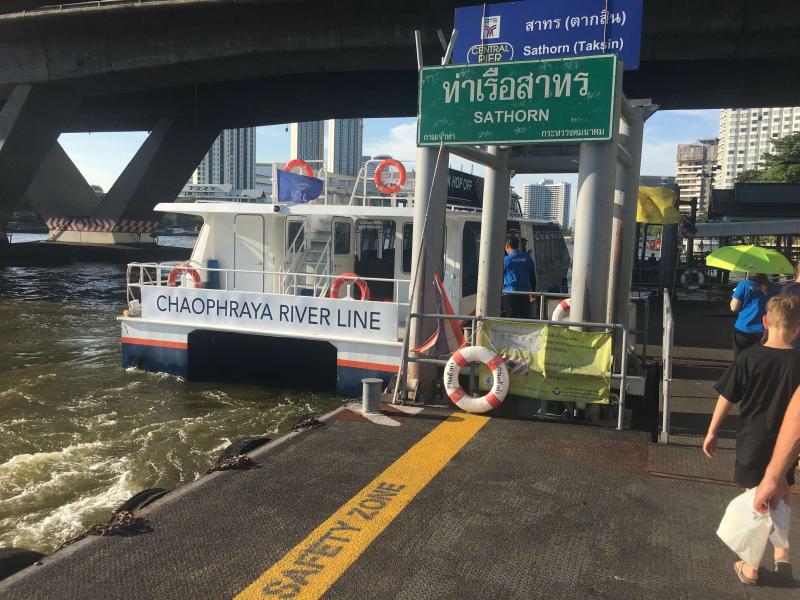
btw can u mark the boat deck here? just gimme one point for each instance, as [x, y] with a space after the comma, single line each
[431, 505]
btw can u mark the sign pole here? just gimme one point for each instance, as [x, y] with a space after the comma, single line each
[494, 217]
[593, 214]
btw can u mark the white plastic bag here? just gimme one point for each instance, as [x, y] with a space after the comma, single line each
[780, 520]
[744, 530]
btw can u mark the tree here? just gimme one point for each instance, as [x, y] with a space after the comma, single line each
[780, 166]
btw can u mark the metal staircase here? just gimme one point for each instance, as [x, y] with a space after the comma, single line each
[308, 260]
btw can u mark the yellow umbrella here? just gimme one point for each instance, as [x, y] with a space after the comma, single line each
[750, 259]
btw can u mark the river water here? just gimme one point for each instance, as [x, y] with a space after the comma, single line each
[80, 434]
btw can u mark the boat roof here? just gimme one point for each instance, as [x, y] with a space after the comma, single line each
[201, 209]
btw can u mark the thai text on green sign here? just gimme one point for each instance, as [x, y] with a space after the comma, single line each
[556, 100]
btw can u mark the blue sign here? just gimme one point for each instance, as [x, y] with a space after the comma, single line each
[534, 29]
[297, 188]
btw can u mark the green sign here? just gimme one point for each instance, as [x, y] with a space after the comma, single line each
[536, 101]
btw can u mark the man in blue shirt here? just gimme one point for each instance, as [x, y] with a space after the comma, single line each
[519, 275]
[750, 301]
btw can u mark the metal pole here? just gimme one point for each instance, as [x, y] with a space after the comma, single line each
[666, 350]
[591, 253]
[494, 219]
[634, 130]
[624, 380]
[427, 251]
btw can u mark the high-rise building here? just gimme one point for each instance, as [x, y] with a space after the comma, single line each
[345, 140]
[547, 200]
[230, 160]
[695, 171]
[307, 140]
[745, 135]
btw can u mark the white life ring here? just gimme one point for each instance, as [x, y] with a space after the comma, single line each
[561, 313]
[692, 279]
[497, 366]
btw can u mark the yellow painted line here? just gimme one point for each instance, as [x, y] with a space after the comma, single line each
[309, 569]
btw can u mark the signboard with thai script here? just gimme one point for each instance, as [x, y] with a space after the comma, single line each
[550, 362]
[557, 100]
[272, 313]
[491, 33]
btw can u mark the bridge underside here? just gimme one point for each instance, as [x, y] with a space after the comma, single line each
[213, 64]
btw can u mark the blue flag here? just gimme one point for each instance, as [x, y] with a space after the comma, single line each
[297, 188]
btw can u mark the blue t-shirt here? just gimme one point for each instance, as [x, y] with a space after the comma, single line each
[753, 307]
[517, 272]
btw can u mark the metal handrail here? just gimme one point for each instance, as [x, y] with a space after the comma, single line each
[666, 367]
[622, 374]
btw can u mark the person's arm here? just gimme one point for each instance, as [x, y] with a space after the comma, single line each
[735, 305]
[720, 412]
[738, 297]
[774, 487]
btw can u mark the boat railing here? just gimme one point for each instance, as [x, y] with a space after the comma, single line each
[141, 275]
[366, 193]
[296, 251]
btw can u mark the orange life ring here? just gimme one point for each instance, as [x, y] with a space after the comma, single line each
[297, 162]
[180, 269]
[350, 278]
[395, 187]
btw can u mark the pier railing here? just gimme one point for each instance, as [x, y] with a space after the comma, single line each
[621, 376]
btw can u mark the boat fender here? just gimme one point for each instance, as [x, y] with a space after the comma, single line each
[297, 162]
[500, 381]
[242, 446]
[349, 278]
[179, 270]
[13, 560]
[140, 500]
[394, 187]
[561, 313]
[692, 279]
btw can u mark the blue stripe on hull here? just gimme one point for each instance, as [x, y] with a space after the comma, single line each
[348, 379]
[174, 361]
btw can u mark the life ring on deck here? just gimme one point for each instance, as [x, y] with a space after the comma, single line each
[349, 278]
[179, 270]
[497, 367]
[297, 162]
[390, 188]
[692, 279]
[561, 313]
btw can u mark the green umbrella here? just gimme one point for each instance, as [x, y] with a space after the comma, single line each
[750, 259]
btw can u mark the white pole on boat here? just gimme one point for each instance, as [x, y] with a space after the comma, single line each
[494, 218]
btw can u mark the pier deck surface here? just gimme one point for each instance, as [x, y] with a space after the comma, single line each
[524, 509]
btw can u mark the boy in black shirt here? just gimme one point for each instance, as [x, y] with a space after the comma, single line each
[761, 380]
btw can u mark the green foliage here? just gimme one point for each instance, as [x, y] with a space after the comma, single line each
[780, 166]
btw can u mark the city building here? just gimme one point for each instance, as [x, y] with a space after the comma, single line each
[547, 200]
[230, 160]
[745, 135]
[307, 140]
[345, 141]
[656, 180]
[695, 171]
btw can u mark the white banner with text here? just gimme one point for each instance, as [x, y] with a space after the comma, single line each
[272, 313]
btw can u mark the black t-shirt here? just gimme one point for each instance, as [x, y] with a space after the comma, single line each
[761, 381]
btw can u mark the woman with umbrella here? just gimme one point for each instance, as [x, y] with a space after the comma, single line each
[750, 295]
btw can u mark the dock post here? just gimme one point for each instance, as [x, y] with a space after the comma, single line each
[427, 254]
[371, 395]
[494, 218]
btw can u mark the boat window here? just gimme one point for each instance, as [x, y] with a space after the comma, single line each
[341, 238]
[292, 230]
[470, 243]
[408, 230]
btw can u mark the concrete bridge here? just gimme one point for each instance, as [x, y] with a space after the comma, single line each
[185, 69]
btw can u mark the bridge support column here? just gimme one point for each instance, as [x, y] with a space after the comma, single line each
[30, 122]
[427, 254]
[156, 173]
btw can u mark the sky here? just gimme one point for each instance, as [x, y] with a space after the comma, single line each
[101, 157]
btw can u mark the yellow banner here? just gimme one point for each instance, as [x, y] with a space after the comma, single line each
[550, 362]
[657, 206]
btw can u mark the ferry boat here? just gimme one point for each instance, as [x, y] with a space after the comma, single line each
[314, 292]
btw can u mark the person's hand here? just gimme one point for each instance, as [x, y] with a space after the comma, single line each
[770, 492]
[710, 444]
[531, 298]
